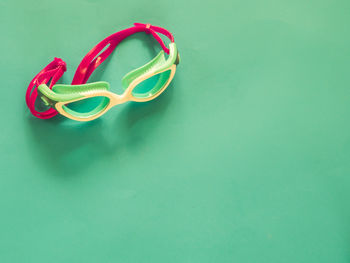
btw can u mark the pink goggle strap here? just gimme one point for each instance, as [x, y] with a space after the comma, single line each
[90, 62]
[94, 58]
[53, 71]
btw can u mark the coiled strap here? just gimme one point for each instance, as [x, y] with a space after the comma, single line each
[53, 71]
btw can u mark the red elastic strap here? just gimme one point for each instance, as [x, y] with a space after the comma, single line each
[53, 71]
[149, 29]
[93, 58]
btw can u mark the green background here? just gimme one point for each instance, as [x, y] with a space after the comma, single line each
[245, 157]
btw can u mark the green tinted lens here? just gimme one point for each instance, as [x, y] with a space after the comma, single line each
[152, 85]
[87, 107]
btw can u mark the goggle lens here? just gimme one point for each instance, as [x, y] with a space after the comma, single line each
[87, 107]
[152, 86]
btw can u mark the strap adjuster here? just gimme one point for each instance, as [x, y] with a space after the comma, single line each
[148, 28]
[60, 63]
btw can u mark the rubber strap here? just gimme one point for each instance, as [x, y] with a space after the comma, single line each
[53, 71]
[90, 62]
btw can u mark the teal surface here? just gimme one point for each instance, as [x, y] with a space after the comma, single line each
[244, 158]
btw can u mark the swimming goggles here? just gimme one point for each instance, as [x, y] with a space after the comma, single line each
[59, 97]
